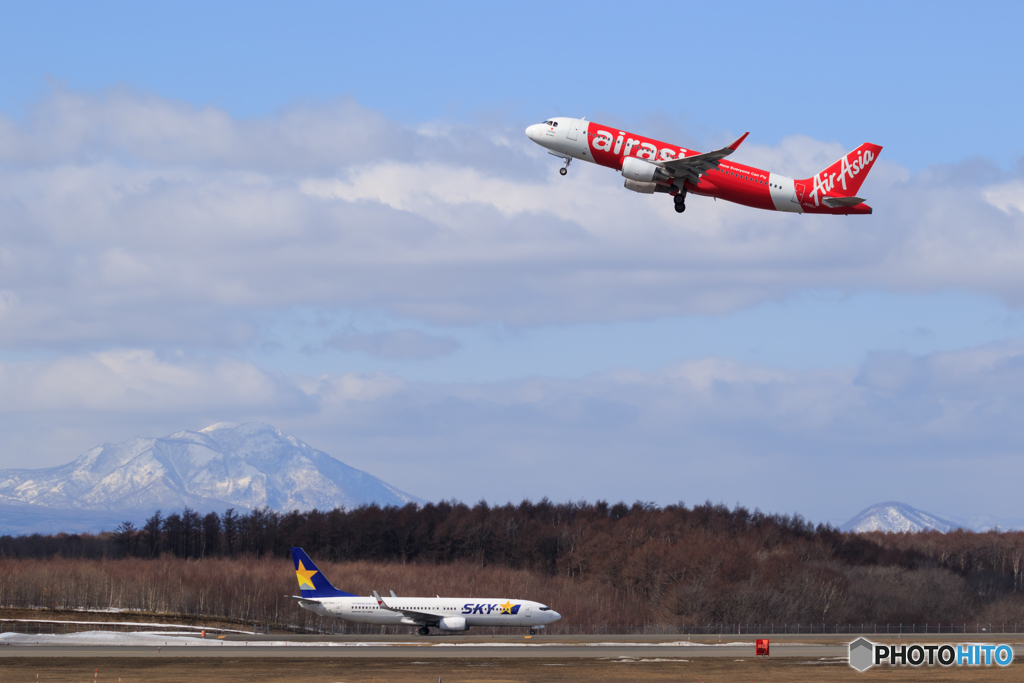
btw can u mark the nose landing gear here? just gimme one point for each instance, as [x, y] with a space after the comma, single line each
[680, 200]
[565, 169]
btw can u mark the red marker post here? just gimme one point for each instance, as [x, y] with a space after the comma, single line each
[761, 647]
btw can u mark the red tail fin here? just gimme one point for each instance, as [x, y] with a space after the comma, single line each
[844, 178]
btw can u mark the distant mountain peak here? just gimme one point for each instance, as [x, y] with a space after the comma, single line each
[224, 465]
[894, 516]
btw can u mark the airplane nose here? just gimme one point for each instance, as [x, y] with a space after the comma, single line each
[555, 616]
[533, 131]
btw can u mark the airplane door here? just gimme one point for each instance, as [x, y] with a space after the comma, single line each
[800, 190]
[574, 129]
[529, 611]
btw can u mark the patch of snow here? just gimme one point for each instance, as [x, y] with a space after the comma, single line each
[630, 660]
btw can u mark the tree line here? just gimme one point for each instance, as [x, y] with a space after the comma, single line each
[636, 564]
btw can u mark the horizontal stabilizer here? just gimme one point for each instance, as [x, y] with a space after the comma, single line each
[303, 601]
[838, 202]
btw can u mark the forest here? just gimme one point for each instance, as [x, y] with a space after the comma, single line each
[618, 566]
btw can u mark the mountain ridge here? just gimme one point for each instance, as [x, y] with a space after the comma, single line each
[245, 466]
[894, 516]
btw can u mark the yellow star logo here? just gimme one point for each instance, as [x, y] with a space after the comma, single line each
[305, 577]
[506, 608]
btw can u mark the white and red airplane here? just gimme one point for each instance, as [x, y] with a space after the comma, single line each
[651, 166]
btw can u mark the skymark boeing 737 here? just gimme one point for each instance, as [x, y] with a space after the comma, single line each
[447, 614]
[651, 166]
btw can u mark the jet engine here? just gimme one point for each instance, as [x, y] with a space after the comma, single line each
[453, 624]
[643, 172]
[642, 188]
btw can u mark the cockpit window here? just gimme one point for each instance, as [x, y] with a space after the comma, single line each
[555, 124]
[545, 609]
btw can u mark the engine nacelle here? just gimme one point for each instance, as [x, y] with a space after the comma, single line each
[642, 188]
[453, 624]
[643, 171]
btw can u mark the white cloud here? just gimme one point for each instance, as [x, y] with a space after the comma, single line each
[709, 428]
[140, 381]
[1006, 197]
[129, 220]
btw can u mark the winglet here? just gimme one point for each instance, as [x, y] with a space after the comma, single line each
[382, 604]
[739, 141]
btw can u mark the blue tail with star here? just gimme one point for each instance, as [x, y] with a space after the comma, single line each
[312, 582]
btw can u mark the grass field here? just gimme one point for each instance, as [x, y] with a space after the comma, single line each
[478, 671]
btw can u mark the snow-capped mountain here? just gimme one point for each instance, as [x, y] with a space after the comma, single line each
[224, 465]
[896, 517]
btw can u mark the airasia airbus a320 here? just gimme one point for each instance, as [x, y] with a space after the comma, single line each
[651, 166]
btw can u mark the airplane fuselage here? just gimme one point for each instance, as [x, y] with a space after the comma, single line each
[445, 613]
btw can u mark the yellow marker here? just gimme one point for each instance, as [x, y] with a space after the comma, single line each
[305, 576]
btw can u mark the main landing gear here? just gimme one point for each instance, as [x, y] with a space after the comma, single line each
[565, 169]
[533, 631]
[680, 200]
[424, 631]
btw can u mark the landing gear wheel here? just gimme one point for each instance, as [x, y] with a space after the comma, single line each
[533, 632]
[563, 171]
[424, 631]
[680, 207]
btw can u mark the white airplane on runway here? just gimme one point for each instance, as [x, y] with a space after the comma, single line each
[447, 614]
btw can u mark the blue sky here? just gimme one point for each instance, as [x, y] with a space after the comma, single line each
[327, 218]
[932, 87]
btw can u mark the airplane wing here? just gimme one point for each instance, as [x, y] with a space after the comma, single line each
[415, 615]
[693, 167]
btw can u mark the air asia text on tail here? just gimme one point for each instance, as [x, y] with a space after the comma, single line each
[651, 166]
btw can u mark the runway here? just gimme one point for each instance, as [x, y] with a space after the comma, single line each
[638, 648]
[146, 645]
[611, 651]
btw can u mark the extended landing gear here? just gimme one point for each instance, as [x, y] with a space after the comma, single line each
[565, 169]
[533, 631]
[680, 200]
[424, 631]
